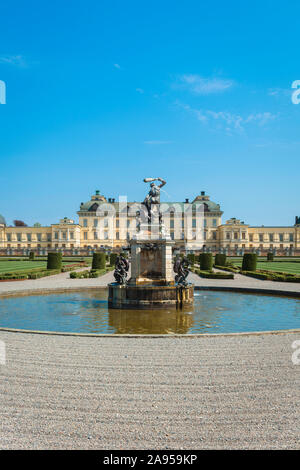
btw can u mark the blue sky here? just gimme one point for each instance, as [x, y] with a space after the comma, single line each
[102, 94]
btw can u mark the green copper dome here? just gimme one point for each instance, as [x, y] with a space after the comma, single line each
[2, 220]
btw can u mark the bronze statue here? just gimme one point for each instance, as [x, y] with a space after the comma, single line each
[153, 197]
[181, 268]
[121, 269]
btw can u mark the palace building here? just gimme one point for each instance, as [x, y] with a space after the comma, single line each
[107, 223]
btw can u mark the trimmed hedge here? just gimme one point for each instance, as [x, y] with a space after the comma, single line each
[270, 256]
[206, 261]
[257, 275]
[54, 261]
[230, 269]
[93, 273]
[112, 259]
[40, 274]
[214, 275]
[99, 261]
[249, 262]
[220, 260]
[12, 276]
[192, 258]
[31, 256]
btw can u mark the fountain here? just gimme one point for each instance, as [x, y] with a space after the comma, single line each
[152, 283]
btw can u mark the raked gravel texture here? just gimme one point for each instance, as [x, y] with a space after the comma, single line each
[79, 392]
[209, 392]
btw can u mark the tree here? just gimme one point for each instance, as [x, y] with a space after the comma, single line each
[20, 223]
[37, 224]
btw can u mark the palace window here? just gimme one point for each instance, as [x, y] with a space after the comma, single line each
[171, 223]
[227, 235]
[281, 237]
[291, 237]
[19, 237]
[85, 235]
[117, 223]
[56, 235]
[243, 235]
[29, 237]
[39, 237]
[172, 235]
[64, 235]
[95, 222]
[95, 236]
[48, 237]
[85, 222]
[117, 235]
[214, 235]
[8, 237]
[235, 235]
[271, 237]
[261, 237]
[194, 223]
[72, 235]
[214, 222]
[251, 237]
[205, 223]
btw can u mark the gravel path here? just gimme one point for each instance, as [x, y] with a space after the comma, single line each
[225, 392]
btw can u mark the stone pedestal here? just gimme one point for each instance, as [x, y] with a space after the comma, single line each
[151, 284]
[151, 262]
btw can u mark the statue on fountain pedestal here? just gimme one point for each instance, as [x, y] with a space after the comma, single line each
[121, 269]
[181, 268]
[153, 197]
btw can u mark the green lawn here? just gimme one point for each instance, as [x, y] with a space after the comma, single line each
[25, 266]
[281, 266]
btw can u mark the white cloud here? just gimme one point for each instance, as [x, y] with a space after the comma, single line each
[117, 66]
[203, 86]
[227, 121]
[139, 90]
[261, 118]
[16, 60]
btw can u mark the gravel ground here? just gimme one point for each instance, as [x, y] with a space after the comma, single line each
[79, 392]
[74, 392]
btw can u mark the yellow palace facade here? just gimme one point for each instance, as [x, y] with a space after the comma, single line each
[193, 225]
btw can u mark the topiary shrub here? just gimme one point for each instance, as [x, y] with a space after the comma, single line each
[191, 257]
[220, 260]
[270, 256]
[112, 259]
[54, 261]
[99, 261]
[31, 256]
[206, 261]
[249, 262]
